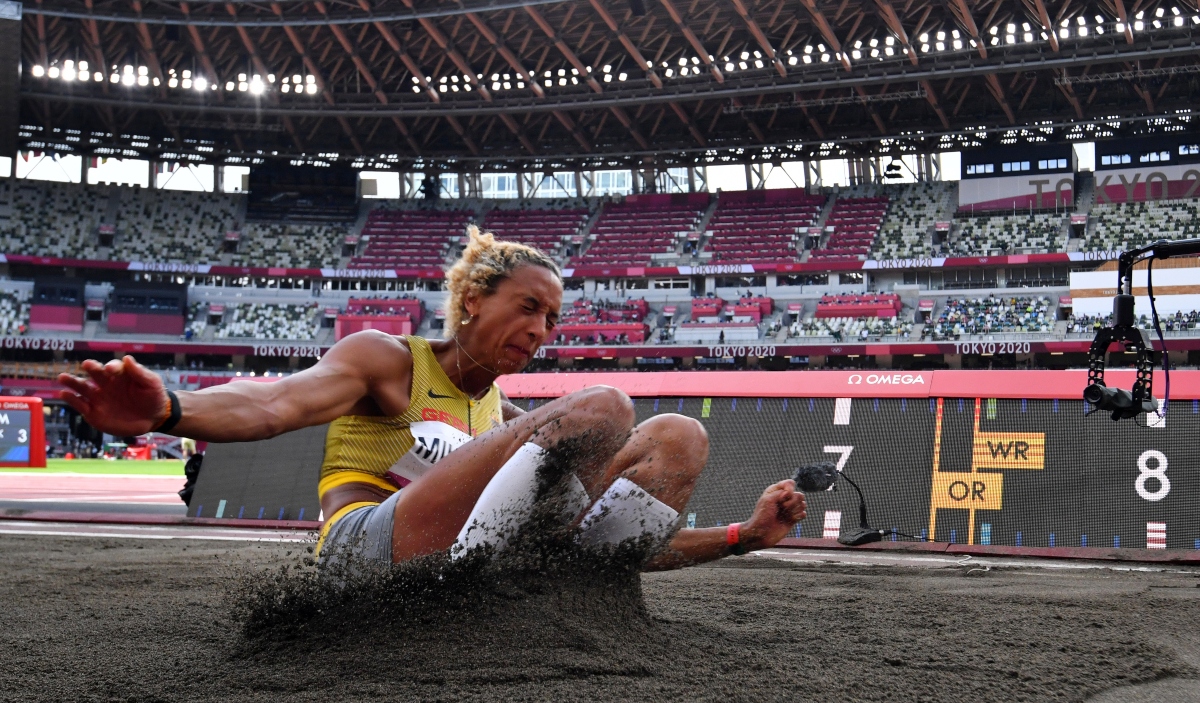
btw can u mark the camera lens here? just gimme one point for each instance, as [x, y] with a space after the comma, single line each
[1095, 393]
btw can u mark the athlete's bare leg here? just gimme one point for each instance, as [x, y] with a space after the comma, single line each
[431, 511]
[664, 456]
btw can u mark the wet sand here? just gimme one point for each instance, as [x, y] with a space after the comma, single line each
[148, 620]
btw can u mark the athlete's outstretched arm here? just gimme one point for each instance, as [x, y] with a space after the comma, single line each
[778, 510]
[125, 398]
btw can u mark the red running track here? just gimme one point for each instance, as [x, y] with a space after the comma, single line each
[90, 488]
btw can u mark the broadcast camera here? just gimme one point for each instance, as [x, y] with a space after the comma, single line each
[1124, 330]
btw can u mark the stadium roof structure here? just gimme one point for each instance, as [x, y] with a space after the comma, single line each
[587, 84]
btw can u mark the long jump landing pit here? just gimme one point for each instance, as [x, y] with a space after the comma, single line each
[106, 618]
[127, 615]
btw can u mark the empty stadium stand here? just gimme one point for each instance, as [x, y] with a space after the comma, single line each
[270, 321]
[628, 233]
[550, 230]
[913, 211]
[171, 226]
[750, 226]
[410, 238]
[1010, 234]
[290, 245]
[14, 313]
[1121, 226]
[855, 223]
[851, 328]
[869, 305]
[54, 219]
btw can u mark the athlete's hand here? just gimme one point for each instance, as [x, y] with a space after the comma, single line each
[778, 510]
[122, 397]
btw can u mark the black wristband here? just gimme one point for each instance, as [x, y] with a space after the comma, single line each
[173, 418]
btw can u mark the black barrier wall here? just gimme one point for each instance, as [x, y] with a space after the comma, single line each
[274, 479]
[967, 470]
[1033, 473]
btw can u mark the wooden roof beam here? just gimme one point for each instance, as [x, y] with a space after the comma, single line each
[627, 43]
[318, 76]
[997, 92]
[761, 38]
[683, 117]
[143, 32]
[1118, 7]
[892, 20]
[405, 58]
[826, 31]
[455, 57]
[1038, 9]
[509, 57]
[963, 14]
[692, 39]
[352, 51]
[931, 97]
[566, 51]
[627, 123]
[261, 67]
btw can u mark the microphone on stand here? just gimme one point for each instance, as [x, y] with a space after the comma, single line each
[823, 476]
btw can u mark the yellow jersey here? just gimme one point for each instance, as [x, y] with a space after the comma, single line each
[388, 452]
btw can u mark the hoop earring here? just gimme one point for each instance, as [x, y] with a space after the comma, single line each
[466, 322]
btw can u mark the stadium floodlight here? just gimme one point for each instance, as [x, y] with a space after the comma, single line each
[143, 81]
[312, 89]
[200, 83]
[172, 82]
[311, 80]
[38, 71]
[623, 76]
[128, 79]
[52, 72]
[186, 83]
[143, 71]
[286, 87]
[83, 76]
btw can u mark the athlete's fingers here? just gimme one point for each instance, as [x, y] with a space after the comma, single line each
[95, 371]
[114, 367]
[80, 386]
[75, 401]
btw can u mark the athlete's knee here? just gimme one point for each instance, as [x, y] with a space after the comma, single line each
[605, 406]
[681, 437]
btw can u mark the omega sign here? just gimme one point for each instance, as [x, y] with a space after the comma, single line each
[886, 379]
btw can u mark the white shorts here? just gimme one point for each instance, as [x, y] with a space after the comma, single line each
[624, 512]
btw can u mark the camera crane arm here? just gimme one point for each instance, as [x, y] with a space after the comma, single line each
[1140, 399]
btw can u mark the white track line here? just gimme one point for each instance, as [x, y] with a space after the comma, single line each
[862, 558]
[227, 534]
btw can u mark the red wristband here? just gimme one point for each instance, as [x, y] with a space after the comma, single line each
[733, 538]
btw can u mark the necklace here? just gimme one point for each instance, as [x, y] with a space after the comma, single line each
[458, 362]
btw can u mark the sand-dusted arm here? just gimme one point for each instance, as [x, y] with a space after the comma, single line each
[361, 374]
[778, 510]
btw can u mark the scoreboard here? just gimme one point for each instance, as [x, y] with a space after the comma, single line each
[22, 432]
[971, 457]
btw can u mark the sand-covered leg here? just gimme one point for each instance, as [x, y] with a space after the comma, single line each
[433, 512]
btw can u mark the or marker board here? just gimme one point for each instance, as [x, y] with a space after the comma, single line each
[22, 433]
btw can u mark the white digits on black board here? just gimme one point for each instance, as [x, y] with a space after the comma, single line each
[1158, 472]
[844, 451]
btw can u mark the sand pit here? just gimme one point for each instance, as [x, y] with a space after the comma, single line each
[148, 620]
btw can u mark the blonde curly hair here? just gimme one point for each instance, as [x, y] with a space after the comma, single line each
[480, 268]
